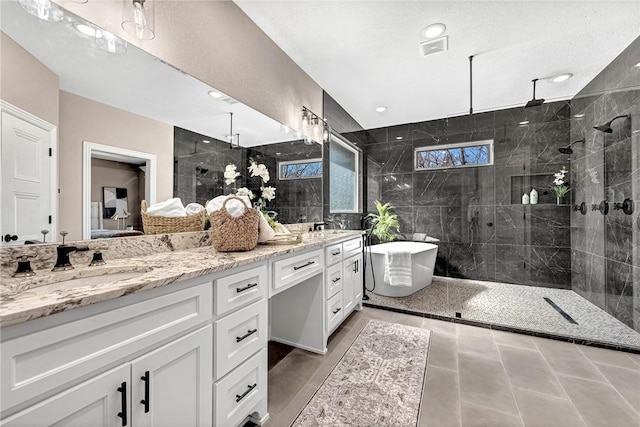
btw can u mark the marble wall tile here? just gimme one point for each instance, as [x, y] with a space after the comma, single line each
[619, 291]
[534, 265]
[393, 157]
[469, 261]
[623, 73]
[397, 189]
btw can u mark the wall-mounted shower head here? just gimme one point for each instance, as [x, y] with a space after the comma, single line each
[606, 127]
[568, 150]
[534, 102]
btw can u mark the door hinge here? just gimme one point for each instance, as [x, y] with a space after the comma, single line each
[50, 152]
[49, 219]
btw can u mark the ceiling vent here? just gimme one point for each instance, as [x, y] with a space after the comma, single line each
[228, 100]
[433, 46]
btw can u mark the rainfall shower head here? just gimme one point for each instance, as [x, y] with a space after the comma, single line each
[568, 150]
[606, 128]
[534, 102]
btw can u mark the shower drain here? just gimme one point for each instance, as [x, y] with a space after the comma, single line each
[561, 311]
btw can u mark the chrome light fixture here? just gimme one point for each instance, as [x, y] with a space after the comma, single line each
[312, 123]
[606, 127]
[138, 18]
[43, 9]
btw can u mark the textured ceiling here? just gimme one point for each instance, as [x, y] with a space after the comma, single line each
[365, 53]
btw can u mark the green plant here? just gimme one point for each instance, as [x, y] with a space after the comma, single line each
[384, 224]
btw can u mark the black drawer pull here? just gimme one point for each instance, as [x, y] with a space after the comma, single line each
[249, 286]
[337, 279]
[337, 310]
[239, 397]
[123, 403]
[247, 335]
[334, 253]
[304, 265]
[147, 382]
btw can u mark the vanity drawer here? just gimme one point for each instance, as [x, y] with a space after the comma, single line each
[333, 253]
[238, 336]
[238, 393]
[295, 269]
[238, 289]
[351, 247]
[333, 280]
[335, 312]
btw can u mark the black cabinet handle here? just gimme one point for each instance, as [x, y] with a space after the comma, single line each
[337, 310]
[249, 286]
[334, 253]
[123, 402]
[247, 335]
[147, 382]
[298, 267]
[336, 280]
[239, 397]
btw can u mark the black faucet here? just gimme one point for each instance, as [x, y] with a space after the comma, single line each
[63, 262]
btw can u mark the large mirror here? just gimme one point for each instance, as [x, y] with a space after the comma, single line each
[71, 87]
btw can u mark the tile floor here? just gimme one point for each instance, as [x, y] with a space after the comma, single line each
[520, 307]
[482, 377]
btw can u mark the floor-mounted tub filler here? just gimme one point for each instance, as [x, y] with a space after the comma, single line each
[423, 261]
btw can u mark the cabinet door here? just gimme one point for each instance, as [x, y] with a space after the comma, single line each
[172, 385]
[94, 403]
[357, 280]
[348, 283]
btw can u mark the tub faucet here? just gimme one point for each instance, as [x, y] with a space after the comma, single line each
[63, 262]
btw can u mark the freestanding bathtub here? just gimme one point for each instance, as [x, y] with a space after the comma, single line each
[423, 261]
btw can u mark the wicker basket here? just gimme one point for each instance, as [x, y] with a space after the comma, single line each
[154, 224]
[231, 234]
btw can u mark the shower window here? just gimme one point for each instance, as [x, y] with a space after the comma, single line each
[344, 186]
[300, 169]
[478, 153]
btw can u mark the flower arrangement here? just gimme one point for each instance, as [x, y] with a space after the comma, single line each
[559, 183]
[267, 193]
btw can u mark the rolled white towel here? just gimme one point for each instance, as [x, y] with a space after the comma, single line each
[193, 208]
[171, 208]
[234, 207]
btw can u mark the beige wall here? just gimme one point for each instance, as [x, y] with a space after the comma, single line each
[106, 173]
[26, 83]
[82, 119]
[217, 43]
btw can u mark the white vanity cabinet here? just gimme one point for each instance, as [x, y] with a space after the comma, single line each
[343, 281]
[133, 361]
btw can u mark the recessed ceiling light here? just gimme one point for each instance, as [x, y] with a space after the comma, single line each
[215, 94]
[524, 122]
[381, 109]
[206, 141]
[561, 78]
[578, 116]
[399, 137]
[434, 30]
[85, 29]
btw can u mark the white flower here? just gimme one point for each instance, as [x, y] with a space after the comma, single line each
[268, 193]
[244, 191]
[230, 174]
[259, 170]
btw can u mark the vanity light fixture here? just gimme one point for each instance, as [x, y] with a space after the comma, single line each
[561, 78]
[313, 123]
[43, 9]
[138, 18]
[381, 109]
[434, 30]
[110, 42]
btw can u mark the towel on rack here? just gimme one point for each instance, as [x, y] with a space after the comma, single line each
[172, 208]
[193, 208]
[397, 268]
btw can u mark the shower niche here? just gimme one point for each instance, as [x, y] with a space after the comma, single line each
[542, 182]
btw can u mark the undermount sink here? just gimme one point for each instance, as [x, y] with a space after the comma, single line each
[88, 276]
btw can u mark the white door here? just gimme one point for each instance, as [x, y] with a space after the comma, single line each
[94, 403]
[26, 181]
[172, 385]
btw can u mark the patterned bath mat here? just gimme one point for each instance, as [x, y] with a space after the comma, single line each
[378, 381]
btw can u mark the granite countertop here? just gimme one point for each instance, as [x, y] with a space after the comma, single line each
[23, 299]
